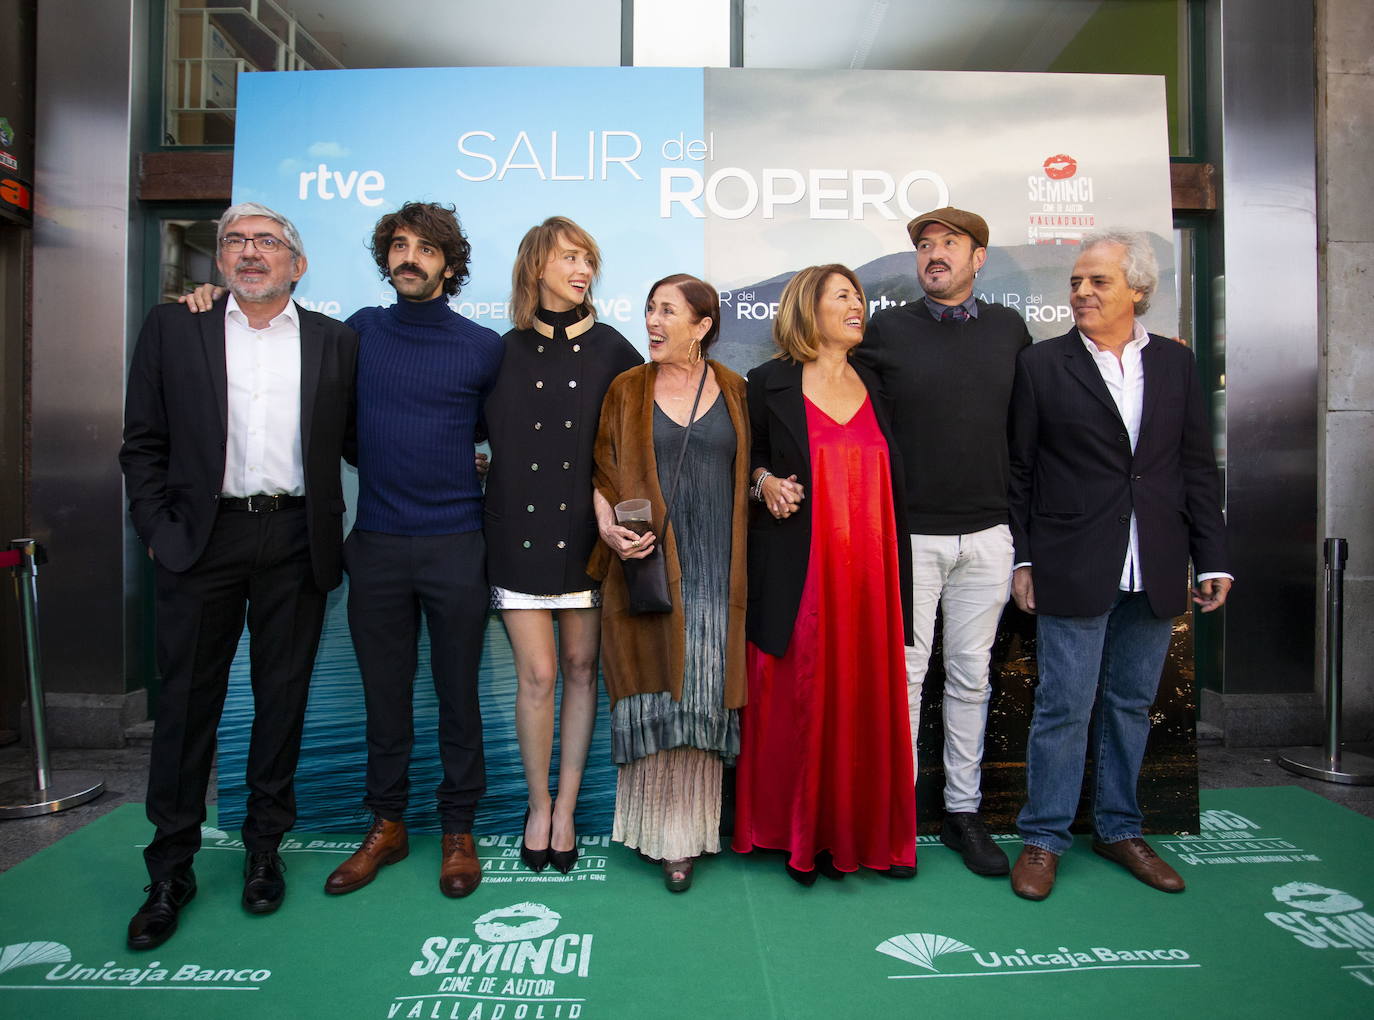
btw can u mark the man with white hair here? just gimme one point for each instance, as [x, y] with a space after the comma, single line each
[234, 424]
[1114, 488]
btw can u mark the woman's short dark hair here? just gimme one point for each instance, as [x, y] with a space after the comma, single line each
[437, 224]
[701, 298]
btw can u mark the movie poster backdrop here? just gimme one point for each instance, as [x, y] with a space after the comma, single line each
[741, 177]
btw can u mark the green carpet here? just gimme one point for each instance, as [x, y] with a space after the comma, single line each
[1273, 923]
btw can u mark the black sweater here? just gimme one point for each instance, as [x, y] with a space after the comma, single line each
[950, 385]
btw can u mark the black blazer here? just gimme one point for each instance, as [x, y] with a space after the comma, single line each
[780, 550]
[1075, 481]
[175, 426]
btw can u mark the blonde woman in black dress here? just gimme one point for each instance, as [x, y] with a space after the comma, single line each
[541, 419]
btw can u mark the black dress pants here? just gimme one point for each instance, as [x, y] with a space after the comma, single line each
[258, 562]
[391, 580]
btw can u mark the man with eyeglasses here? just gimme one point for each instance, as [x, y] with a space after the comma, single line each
[234, 426]
[424, 372]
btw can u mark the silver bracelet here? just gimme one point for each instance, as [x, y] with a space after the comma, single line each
[757, 491]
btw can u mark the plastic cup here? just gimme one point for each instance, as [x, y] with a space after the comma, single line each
[633, 514]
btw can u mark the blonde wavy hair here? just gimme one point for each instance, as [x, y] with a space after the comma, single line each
[535, 247]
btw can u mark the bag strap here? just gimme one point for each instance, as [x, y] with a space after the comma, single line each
[682, 454]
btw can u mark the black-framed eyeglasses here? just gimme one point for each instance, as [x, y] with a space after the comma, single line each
[267, 244]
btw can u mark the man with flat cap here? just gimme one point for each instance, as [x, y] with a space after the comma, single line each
[947, 362]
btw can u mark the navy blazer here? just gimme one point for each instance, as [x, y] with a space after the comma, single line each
[780, 550]
[1075, 480]
[176, 426]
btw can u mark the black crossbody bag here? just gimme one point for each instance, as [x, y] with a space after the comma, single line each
[646, 580]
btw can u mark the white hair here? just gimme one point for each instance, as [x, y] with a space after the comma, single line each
[246, 209]
[1139, 264]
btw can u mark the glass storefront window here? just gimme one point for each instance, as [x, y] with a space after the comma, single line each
[1085, 36]
[187, 257]
[208, 43]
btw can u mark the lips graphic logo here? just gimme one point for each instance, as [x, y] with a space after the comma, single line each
[1058, 168]
[1315, 899]
[520, 922]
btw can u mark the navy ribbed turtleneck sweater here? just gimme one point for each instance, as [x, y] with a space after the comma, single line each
[423, 373]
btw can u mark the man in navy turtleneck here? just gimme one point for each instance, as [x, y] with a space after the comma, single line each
[417, 546]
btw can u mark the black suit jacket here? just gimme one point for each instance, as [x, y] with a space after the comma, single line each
[1075, 481]
[780, 550]
[175, 425]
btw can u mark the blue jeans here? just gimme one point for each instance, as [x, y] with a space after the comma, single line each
[1099, 673]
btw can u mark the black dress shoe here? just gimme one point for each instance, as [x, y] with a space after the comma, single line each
[263, 884]
[535, 860]
[965, 833]
[156, 920]
[806, 878]
[899, 871]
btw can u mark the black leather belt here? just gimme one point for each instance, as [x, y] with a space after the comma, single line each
[260, 504]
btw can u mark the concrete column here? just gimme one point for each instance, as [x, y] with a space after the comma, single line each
[1345, 63]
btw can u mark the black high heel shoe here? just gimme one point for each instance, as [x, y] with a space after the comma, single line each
[677, 875]
[825, 864]
[806, 878]
[535, 860]
[563, 860]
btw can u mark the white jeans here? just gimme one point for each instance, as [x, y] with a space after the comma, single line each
[969, 578]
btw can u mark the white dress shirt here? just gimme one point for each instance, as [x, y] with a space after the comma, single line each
[1125, 379]
[263, 367]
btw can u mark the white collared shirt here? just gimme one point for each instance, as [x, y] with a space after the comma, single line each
[263, 368]
[1125, 379]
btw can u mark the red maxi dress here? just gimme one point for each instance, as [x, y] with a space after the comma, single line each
[825, 745]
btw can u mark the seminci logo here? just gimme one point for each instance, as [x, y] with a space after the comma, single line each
[925, 950]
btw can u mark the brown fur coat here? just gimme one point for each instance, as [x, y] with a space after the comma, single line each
[644, 654]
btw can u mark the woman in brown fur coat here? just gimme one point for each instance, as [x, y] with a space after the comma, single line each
[676, 680]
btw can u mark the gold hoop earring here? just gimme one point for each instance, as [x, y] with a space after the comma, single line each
[694, 352]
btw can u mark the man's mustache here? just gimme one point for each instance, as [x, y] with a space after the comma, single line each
[410, 267]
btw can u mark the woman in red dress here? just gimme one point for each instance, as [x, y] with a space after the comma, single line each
[825, 762]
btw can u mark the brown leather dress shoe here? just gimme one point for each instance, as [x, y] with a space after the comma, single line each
[1139, 858]
[385, 843]
[460, 872]
[1032, 877]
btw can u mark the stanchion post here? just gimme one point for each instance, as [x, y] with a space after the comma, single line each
[49, 791]
[1337, 552]
[26, 594]
[1328, 763]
